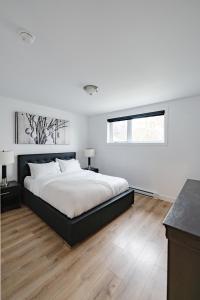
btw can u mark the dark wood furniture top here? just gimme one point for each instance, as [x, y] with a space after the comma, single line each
[96, 170]
[10, 196]
[183, 232]
[185, 213]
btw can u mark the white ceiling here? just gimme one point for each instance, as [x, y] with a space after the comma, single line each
[137, 52]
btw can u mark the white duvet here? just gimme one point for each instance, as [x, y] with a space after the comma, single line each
[77, 192]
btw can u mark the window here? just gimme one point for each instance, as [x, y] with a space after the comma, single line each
[142, 128]
[119, 131]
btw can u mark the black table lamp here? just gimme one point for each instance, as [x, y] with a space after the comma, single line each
[6, 158]
[89, 152]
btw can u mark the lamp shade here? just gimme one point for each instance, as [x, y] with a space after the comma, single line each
[6, 157]
[89, 152]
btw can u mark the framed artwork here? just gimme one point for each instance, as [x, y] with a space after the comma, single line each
[35, 129]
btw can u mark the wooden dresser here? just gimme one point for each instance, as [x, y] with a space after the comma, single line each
[183, 233]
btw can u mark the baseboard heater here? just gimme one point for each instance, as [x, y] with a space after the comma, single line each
[143, 192]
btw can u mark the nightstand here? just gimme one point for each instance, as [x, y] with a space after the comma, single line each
[10, 196]
[92, 169]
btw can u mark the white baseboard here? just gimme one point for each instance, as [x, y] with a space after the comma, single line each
[164, 198]
[154, 195]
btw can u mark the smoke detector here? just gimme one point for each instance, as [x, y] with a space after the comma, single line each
[91, 89]
[27, 37]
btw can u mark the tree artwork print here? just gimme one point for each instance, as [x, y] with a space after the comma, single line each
[35, 129]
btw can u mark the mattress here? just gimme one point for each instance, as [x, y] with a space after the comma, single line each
[77, 192]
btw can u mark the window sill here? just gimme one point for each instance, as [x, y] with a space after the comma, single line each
[135, 144]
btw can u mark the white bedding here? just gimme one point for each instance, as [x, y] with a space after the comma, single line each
[77, 192]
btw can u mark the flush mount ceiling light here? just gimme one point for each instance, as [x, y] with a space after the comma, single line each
[27, 37]
[91, 89]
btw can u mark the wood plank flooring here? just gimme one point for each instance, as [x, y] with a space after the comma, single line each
[126, 260]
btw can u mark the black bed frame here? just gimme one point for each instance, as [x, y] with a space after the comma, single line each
[76, 229]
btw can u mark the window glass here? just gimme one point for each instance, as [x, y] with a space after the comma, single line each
[148, 130]
[119, 131]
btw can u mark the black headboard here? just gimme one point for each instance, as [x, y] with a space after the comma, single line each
[23, 160]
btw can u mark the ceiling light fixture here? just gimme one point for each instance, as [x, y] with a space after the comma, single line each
[91, 89]
[27, 37]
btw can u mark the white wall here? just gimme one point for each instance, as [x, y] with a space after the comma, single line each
[161, 169]
[78, 131]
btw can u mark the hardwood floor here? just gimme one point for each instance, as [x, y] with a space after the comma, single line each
[126, 260]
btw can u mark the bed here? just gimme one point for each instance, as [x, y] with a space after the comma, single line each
[75, 229]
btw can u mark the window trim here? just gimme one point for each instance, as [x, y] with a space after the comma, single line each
[129, 141]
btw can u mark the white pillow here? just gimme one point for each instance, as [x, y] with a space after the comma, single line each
[45, 169]
[68, 166]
